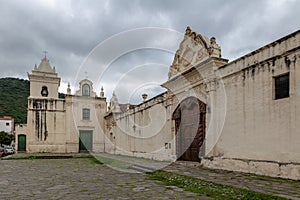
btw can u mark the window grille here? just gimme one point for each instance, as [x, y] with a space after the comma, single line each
[282, 86]
[86, 114]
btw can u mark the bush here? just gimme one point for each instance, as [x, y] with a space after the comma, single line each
[6, 138]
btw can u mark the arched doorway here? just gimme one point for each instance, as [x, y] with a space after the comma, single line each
[189, 119]
[21, 143]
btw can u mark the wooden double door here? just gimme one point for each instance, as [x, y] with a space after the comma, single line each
[189, 119]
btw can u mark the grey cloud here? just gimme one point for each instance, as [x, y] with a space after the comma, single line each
[70, 30]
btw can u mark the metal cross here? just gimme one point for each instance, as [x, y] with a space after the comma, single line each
[45, 52]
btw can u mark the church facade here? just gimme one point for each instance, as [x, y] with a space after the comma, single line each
[240, 115]
[56, 125]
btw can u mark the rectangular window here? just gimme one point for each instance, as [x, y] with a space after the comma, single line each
[282, 86]
[7, 124]
[86, 114]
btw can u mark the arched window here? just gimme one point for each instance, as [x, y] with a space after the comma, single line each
[85, 90]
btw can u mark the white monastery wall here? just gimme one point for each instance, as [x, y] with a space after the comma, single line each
[261, 133]
[142, 131]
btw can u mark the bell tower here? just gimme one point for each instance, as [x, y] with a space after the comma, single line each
[46, 112]
[44, 81]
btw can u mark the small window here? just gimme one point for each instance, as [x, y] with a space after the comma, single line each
[7, 124]
[282, 86]
[85, 90]
[86, 114]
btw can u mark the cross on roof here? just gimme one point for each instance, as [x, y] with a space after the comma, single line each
[45, 52]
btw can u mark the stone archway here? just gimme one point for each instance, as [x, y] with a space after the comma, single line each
[189, 119]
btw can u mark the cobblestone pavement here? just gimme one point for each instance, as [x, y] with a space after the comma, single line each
[78, 178]
[275, 186]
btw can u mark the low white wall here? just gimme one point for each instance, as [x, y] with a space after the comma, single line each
[266, 168]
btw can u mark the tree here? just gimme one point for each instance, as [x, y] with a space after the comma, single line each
[6, 138]
[14, 94]
[13, 99]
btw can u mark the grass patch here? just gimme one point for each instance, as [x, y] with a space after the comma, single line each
[95, 160]
[207, 188]
[113, 162]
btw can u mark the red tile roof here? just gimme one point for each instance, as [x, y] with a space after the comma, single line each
[6, 118]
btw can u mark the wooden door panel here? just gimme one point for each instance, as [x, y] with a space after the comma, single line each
[21, 142]
[85, 140]
[190, 128]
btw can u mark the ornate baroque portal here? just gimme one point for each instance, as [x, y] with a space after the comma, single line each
[189, 119]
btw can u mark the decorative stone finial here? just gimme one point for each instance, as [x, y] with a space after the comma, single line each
[69, 89]
[114, 104]
[144, 97]
[102, 92]
[214, 49]
[188, 31]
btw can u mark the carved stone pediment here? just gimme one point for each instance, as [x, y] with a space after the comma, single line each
[194, 49]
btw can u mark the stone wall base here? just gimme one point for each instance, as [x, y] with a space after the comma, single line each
[98, 147]
[72, 147]
[47, 148]
[152, 156]
[266, 168]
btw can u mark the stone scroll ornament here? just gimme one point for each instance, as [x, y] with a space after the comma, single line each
[193, 49]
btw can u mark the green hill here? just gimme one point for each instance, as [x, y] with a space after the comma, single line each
[13, 98]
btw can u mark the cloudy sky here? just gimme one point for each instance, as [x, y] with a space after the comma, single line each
[84, 37]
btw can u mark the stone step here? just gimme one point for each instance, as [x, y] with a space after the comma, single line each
[141, 168]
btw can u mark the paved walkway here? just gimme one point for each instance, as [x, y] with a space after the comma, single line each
[82, 179]
[78, 179]
[275, 186]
